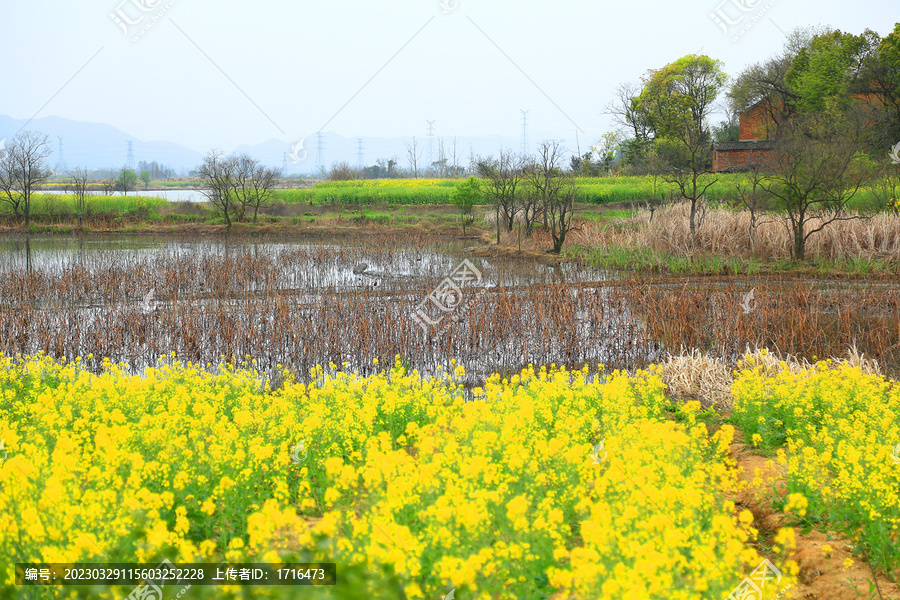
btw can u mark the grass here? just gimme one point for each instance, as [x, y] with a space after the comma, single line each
[55, 204]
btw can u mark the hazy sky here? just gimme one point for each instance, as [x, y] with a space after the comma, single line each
[220, 73]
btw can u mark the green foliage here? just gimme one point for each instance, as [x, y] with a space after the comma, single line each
[889, 49]
[680, 95]
[466, 195]
[826, 69]
[127, 180]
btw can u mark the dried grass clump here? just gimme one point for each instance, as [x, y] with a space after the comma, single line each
[772, 364]
[727, 232]
[698, 376]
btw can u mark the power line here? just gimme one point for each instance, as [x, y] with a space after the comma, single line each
[430, 142]
[320, 153]
[62, 158]
[524, 132]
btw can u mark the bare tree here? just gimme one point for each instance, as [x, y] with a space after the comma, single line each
[455, 163]
[262, 184]
[80, 192]
[243, 168]
[502, 178]
[342, 171]
[109, 185]
[554, 190]
[819, 168]
[22, 168]
[630, 113]
[414, 155]
[217, 174]
[442, 159]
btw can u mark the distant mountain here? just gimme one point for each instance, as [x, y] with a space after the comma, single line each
[101, 146]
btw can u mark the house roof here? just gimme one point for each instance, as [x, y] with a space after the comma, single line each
[746, 145]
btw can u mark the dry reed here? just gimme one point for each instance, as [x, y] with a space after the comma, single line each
[727, 233]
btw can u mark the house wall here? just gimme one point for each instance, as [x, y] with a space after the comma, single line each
[755, 124]
[741, 159]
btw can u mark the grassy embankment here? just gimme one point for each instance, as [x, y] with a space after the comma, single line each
[617, 230]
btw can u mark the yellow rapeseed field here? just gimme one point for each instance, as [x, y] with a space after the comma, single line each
[836, 431]
[553, 483]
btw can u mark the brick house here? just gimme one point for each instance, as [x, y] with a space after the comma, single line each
[757, 133]
[756, 143]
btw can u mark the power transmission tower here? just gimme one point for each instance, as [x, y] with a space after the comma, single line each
[359, 153]
[62, 157]
[130, 161]
[430, 143]
[284, 163]
[524, 133]
[320, 153]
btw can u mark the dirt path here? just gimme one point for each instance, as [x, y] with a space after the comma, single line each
[823, 573]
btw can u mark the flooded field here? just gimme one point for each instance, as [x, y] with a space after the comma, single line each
[347, 302]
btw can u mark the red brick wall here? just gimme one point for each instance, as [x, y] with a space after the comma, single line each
[755, 124]
[740, 159]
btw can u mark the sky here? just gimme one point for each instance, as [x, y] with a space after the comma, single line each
[224, 73]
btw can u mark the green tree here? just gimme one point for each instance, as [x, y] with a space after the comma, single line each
[606, 148]
[465, 196]
[145, 177]
[681, 93]
[678, 99]
[762, 85]
[830, 68]
[127, 180]
[884, 75]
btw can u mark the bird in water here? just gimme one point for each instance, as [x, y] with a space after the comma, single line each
[149, 304]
